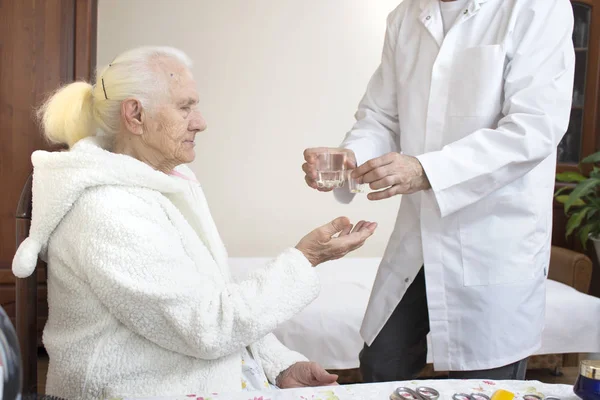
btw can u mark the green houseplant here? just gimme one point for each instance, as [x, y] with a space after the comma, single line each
[581, 199]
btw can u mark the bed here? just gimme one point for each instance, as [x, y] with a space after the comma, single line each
[327, 331]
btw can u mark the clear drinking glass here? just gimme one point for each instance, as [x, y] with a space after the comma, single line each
[354, 185]
[330, 169]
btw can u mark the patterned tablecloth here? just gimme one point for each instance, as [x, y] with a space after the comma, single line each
[382, 391]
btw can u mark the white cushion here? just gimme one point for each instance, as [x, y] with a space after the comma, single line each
[327, 331]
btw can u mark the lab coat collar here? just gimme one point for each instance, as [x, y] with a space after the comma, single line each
[426, 5]
[476, 5]
[431, 16]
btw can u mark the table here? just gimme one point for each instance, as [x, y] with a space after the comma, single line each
[382, 391]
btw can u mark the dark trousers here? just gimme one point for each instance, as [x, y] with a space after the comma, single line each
[399, 352]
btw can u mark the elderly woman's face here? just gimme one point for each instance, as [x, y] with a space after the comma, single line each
[172, 126]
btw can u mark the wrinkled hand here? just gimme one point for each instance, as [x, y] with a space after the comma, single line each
[320, 245]
[305, 374]
[309, 167]
[400, 174]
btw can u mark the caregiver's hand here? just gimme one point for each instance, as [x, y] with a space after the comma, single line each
[399, 173]
[305, 374]
[309, 167]
[320, 245]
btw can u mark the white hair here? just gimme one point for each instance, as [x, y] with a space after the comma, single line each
[79, 109]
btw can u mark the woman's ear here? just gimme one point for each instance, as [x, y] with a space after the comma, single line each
[132, 114]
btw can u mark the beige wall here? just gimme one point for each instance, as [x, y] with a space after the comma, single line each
[275, 77]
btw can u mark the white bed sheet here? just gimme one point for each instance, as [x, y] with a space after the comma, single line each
[327, 331]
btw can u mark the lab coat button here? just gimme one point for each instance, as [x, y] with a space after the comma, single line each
[407, 280]
[428, 17]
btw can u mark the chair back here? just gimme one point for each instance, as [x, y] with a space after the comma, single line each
[26, 300]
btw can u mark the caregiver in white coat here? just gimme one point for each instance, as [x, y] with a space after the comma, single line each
[463, 118]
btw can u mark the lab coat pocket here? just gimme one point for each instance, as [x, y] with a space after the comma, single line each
[500, 241]
[476, 82]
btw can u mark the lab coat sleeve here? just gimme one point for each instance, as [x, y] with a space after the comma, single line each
[537, 91]
[376, 128]
[136, 265]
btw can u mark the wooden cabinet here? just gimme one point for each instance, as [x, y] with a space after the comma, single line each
[583, 135]
[43, 44]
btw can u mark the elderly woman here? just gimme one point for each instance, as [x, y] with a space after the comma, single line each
[141, 302]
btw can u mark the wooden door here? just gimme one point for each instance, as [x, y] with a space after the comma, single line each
[583, 135]
[43, 44]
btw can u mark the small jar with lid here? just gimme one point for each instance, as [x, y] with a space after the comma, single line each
[587, 386]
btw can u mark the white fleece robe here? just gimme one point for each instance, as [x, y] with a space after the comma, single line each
[140, 297]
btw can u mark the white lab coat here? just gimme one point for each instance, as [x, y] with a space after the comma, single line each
[483, 109]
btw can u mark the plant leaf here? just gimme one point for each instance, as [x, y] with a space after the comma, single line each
[562, 190]
[575, 220]
[582, 189]
[562, 199]
[592, 158]
[592, 201]
[596, 229]
[584, 235]
[570, 176]
[595, 173]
